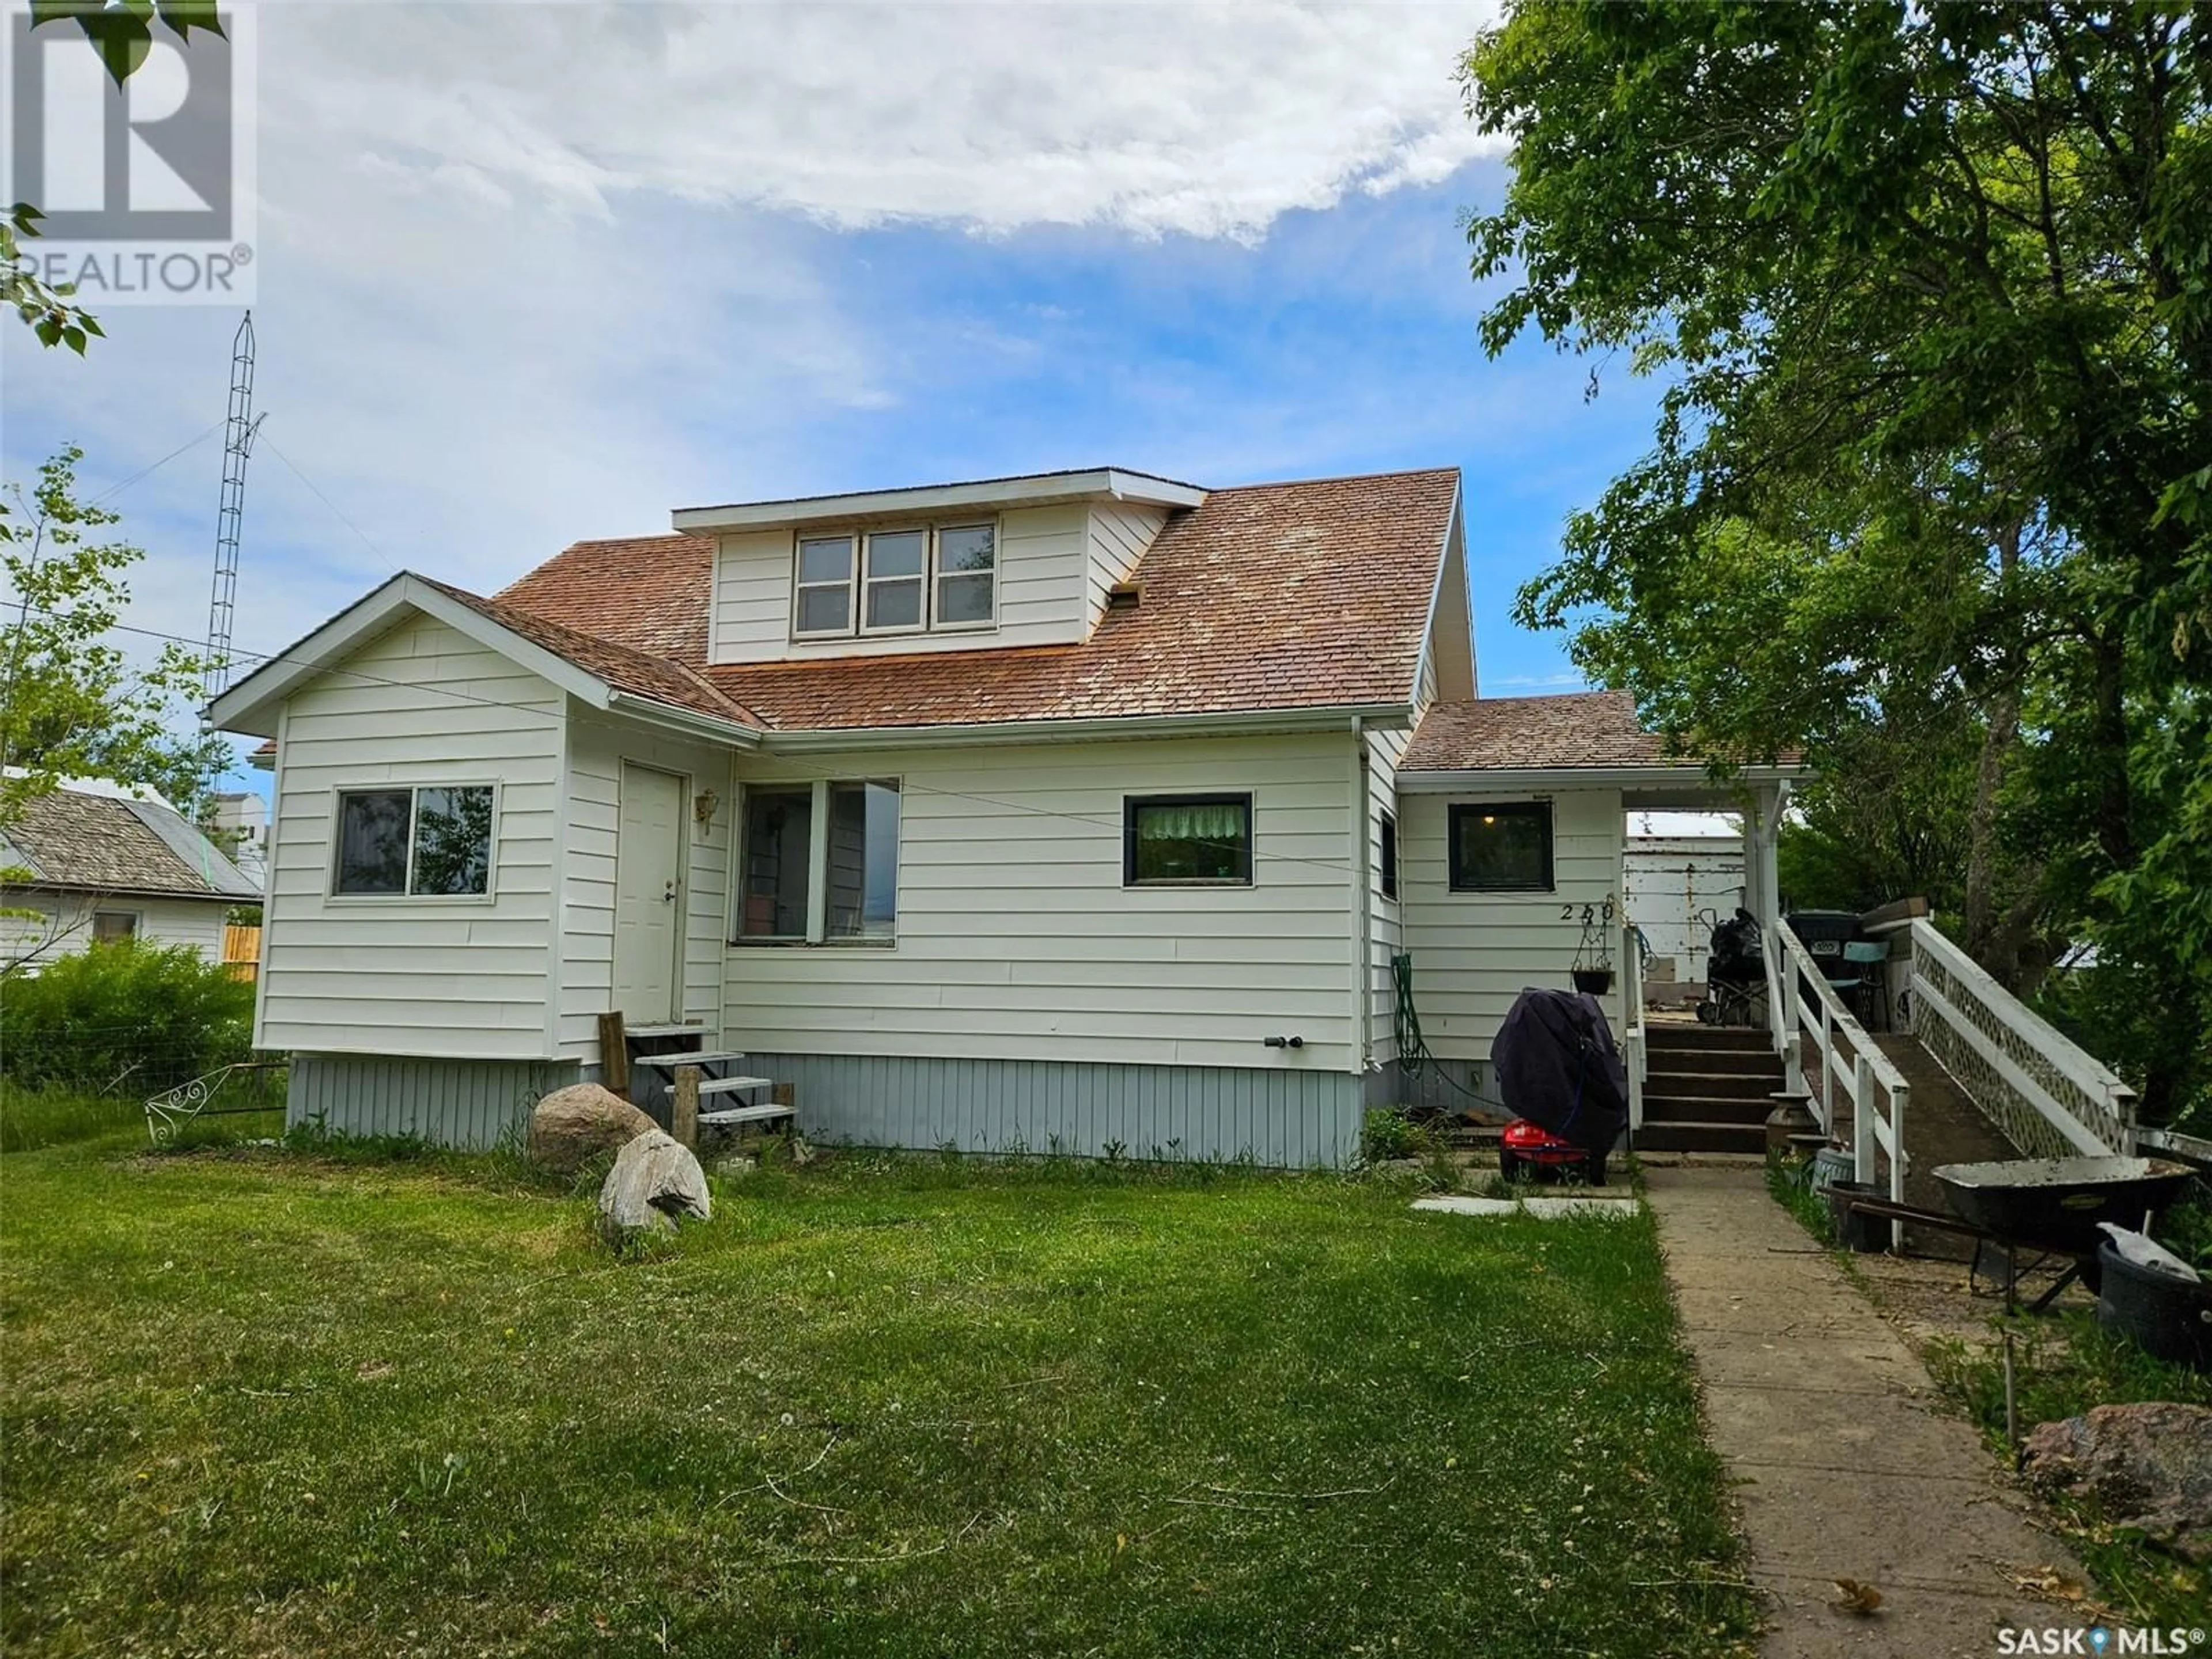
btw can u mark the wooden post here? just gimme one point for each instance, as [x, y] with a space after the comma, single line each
[683, 1114]
[614, 1055]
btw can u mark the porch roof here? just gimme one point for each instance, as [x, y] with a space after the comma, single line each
[1591, 737]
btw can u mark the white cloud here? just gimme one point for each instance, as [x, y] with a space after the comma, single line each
[534, 273]
[1206, 120]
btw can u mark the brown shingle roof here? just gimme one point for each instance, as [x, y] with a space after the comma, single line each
[1581, 728]
[70, 839]
[623, 666]
[1268, 597]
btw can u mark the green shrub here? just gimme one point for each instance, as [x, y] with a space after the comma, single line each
[1386, 1132]
[125, 1015]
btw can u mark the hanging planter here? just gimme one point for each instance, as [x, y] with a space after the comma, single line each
[1592, 971]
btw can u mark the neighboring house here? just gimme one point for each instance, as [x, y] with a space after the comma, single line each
[93, 862]
[242, 820]
[1059, 812]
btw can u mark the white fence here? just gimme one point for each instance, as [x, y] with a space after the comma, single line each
[2051, 1098]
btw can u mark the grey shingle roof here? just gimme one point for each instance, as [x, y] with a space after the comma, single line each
[99, 843]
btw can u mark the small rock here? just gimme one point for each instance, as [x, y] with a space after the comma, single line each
[571, 1126]
[736, 1165]
[2146, 1467]
[654, 1180]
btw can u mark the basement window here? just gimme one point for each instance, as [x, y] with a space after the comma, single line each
[1187, 841]
[434, 841]
[1501, 847]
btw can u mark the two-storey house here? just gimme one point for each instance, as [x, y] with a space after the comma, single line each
[1062, 812]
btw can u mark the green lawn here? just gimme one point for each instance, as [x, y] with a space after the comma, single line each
[258, 1401]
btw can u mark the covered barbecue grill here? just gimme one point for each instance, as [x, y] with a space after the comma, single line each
[1557, 1068]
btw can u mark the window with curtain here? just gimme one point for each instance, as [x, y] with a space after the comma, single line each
[113, 926]
[1183, 840]
[1501, 847]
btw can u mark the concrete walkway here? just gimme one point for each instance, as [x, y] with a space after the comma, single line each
[1843, 1470]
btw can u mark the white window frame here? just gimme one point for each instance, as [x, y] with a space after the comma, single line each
[937, 574]
[856, 550]
[868, 581]
[857, 581]
[817, 868]
[386, 787]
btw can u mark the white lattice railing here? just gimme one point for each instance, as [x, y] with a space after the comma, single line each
[2051, 1098]
[1877, 1090]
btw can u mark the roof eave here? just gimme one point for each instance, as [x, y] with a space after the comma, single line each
[1236, 723]
[1102, 483]
[247, 706]
[1434, 780]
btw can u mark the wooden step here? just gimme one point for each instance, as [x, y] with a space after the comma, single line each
[1750, 1062]
[1700, 1138]
[667, 1029]
[730, 1116]
[1716, 1085]
[688, 1057]
[733, 1086]
[1692, 1109]
[1684, 1035]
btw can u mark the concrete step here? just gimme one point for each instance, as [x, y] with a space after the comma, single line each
[1684, 1077]
[1695, 1109]
[1700, 1138]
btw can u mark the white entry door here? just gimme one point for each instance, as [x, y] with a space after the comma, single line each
[649, 895]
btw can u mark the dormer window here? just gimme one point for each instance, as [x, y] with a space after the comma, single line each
[898, 561]
[908, 580]
[825, 585]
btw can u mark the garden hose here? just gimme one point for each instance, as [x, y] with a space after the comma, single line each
[1413, 1056]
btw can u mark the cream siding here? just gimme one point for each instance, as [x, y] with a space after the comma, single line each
[63, 926]
[461, 978]
[1120, 532]
[1043, 561]
[1016, 939]
[1384, 936]
[1474, 953]
[596, 750]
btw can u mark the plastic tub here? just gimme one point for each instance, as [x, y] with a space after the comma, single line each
[2168, 1317]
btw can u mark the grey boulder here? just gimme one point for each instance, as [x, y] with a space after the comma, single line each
[2148, 1467]
[654, 1180]
[571, 1126]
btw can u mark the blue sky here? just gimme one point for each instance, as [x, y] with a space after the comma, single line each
[599, 262]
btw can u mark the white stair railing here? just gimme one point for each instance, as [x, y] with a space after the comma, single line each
[1635, 1048]
[1877, 1090]
[2051, 1098]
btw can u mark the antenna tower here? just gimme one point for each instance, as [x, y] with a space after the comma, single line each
[238, 444]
